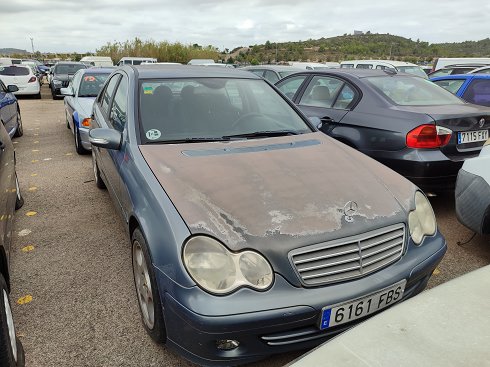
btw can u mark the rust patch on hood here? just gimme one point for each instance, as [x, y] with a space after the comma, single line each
[295, 192]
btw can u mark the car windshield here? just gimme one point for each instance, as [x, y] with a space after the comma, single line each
[415, 70]
[14, 70]
[68, 68]
[91, 84]
[410, 91]
[189, 110]
[451, 85]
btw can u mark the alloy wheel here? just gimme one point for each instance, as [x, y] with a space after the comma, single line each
[143, 285]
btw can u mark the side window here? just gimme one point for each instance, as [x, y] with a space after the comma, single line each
[271, 76]
[119, 107]
[478, 92]
[290, 86]
[346, 98]
[364, 66]
[321, 92]
[108, 92]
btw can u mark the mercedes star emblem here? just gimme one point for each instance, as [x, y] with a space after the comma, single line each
[350, 209]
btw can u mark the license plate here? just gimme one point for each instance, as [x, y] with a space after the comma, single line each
[360, 307]
[472, 136]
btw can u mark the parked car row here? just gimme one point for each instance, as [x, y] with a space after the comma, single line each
[11, 350]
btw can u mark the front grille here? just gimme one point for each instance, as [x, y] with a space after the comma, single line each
[65, 83]
[348, 258]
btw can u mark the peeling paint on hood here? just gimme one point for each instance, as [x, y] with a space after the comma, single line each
[294, 192]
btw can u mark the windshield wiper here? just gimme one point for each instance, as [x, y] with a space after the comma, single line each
[263, 134]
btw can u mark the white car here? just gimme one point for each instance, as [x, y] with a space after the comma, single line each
[23, 77]
[444, 326]
[472, 194]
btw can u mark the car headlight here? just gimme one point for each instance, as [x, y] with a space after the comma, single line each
[421, 221]
[220, 271]
[57, 82]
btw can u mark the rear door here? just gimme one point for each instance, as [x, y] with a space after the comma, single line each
[7, 188]
[478, 92]
[328, 98]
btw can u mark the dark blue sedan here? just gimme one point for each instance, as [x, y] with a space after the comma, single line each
[252, 233]
[473, 88]
[10, 110]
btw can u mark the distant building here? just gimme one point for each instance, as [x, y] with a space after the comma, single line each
[358, 33]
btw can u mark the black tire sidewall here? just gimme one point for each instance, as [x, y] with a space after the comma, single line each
[6, 353]
[158, 333]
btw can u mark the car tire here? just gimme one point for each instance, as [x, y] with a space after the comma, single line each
[11, 351]
[53, 94]
[19, 200]
[20, 129]
[78, 143]
[38, 96]
[98, 178]
[147, 289]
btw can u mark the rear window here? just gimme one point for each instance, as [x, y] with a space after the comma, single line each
[410, 91]
[451, 85]
[91, 85]
[68, 68]
[14, 70]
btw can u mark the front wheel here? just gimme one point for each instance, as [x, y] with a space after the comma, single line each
[19, 200]
[147, 289]
[11, 351]
[20, 129]
[98, 179]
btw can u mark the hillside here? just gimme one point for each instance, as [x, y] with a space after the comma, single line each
[12, 51]
[364, 46]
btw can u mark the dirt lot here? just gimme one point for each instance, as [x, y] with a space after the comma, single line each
[71, 260]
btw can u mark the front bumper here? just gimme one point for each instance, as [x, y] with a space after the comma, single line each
[472, 201]
[282, 319]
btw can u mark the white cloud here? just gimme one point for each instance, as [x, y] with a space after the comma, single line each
[71, 25]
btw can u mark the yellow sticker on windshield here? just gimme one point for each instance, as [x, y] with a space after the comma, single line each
[147, 90]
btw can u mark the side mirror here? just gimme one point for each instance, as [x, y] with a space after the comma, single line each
[12, 88]
[105, 138]
[67, 91]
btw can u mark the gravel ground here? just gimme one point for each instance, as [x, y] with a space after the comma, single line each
[70, 254]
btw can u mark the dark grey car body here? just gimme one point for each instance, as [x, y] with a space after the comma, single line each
[379, 127]
[61, 74]
[273, 196]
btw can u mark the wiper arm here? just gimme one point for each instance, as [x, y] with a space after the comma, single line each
[263, 134]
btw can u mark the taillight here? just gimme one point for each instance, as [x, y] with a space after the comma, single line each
[86, 122]
[428, 136]
[33, 79]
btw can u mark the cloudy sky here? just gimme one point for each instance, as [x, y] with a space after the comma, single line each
[85, 25]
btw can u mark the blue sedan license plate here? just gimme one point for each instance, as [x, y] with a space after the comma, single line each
[360, 307]
[472, 136]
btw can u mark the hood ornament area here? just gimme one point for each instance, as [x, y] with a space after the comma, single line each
[481, 122]
[350, 209]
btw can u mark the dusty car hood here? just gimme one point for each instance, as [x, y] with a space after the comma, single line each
[250, 193]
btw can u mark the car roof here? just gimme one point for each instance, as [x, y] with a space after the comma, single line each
[391, 62]
[69, 62]
[151, 71]
[98, 70]
[359, 73]
[461, 76]
[272, 67]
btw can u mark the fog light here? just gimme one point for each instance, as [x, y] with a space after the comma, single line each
[227, 344]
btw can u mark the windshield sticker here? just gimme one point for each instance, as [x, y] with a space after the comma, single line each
[153, 134]
[89, 78]
[148, 90]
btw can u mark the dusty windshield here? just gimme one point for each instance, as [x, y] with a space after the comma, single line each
[412, 91]
[215, 109]
[68, 68]
[91, 84]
